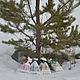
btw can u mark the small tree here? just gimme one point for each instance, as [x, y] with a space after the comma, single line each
[21, 17]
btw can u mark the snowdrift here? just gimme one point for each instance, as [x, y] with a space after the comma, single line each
[8, 71]
[7, 61]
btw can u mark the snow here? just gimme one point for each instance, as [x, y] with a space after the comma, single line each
[8, 71]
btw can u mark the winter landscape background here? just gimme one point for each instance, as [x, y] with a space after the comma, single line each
[8, 67]
[8, 71]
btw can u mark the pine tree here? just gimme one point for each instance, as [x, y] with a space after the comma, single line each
[53, 32]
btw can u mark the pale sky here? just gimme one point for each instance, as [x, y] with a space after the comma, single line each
[76, 13]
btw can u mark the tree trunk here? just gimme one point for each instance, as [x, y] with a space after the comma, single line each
[38, 32]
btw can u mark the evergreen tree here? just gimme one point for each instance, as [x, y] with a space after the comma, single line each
[22, 17]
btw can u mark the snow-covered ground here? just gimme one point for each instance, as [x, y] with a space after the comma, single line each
[8, 71]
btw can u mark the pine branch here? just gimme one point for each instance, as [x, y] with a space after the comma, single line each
[31, 39]
[49, 20]
[30, 10]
